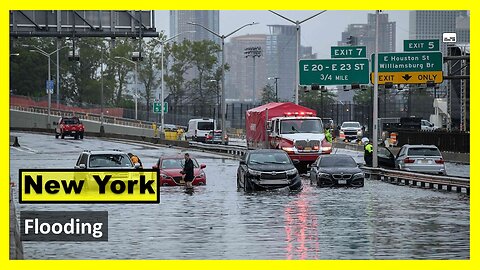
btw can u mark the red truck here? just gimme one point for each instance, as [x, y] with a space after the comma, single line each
[290, 127]
[69, 126]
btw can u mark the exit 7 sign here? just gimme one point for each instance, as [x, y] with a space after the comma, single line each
[349, 51]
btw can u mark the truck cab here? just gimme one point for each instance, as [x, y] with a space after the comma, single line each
[302, 137]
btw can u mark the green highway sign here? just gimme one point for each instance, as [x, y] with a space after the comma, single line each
[421, 45]
[411, 61]
[349, 51]
[157, 107]
[333, 71]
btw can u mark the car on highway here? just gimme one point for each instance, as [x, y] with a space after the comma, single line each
[170, 168]
[104, 159]
[336, 170]
[69, 126]
[199, 128]
[420, 158]
[351, 131]
[267, 169]
[215, 137]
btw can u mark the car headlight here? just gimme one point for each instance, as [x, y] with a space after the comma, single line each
[162, 175]
[292, 171]
[201, 175]
[323, 175]
[253, 172]
[358, 175]
[359, 132]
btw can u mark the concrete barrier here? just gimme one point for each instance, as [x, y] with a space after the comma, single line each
[16, 246]
[36, 121]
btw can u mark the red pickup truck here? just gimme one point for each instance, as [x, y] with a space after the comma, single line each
[69, 126]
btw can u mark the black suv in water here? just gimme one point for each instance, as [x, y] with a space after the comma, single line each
[267, 169]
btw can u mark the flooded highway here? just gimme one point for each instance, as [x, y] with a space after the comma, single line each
[378, 221]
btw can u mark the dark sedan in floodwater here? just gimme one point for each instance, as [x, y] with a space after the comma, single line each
[267, 169]
[336, 170]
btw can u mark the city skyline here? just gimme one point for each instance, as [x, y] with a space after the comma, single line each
[232, 19]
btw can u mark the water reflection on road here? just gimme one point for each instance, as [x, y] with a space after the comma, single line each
[379, 221]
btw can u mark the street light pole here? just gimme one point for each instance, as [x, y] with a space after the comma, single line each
[136, 91]
[135, 81]
[297, 24]
[162, 111]
[223, 37]
[48, 55]
[276, 86]
[375, 96]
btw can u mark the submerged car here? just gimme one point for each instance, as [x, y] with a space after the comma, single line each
[170, 171]
[336, 170]
[267, 169]
[111, 159]
[421, 158]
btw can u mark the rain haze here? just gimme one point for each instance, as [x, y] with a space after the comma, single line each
[319, 32]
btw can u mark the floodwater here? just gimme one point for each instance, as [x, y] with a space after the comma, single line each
[378, 221]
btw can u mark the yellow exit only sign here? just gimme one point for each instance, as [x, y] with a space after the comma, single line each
[416, 77]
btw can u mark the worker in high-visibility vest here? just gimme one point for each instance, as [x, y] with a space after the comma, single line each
[368, 155]
[328, 135]
[155, 129]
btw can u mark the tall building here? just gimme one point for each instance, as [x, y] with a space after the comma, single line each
[431, 24]
[207, 18]
[281, 53]
[239, 80]
[364, 34]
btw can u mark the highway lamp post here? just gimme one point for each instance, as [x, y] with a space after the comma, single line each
[135, 82]
[253, 52]
[276, 86]
[223, 37]
[161, 99]
[218, 101]
[48, 55]
[375, 96]
[297, 24]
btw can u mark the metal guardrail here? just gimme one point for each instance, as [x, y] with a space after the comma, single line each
[229, 149]
[439, 182]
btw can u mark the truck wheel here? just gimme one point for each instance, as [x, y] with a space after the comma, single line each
[63, 135]
[81, 136]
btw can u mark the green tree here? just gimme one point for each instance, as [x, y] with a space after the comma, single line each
[149, 70]
[181, 55]
[268, 94]
[204, 61]
[317, 100]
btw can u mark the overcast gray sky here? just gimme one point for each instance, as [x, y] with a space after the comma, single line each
[321, 32]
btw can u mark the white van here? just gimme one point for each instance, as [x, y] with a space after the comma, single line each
[198, 129]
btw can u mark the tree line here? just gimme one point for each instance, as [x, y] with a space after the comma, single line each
[190, 70]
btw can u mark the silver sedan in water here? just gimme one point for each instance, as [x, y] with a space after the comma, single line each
[421, 158]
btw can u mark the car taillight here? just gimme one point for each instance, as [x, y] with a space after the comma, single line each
[316, 147]
[408, 160]
[440, 161]
[209, 136]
